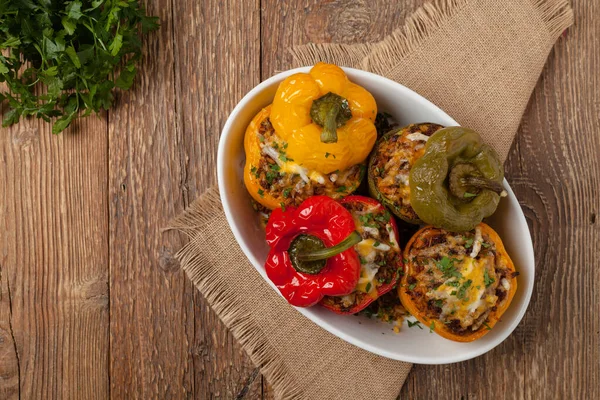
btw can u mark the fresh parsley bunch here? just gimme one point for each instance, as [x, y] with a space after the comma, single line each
[61, 59]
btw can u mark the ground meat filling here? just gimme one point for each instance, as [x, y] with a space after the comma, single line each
[387, 308]
[394, 157]
[458, 279]
[379, 254]
[289, 182]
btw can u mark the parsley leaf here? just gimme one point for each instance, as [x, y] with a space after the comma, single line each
[64, 60]
[462, 292]
[368, 288]
[486, 278]
[431, 327]
[468, 243]
[416, 323]
[468, 195]
[446, 265]
[286, 192]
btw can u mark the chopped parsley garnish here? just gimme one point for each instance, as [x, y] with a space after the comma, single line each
[412, 286]
[275, 145]
[285, 145]
[261, 192]
[368, 287]
[367, 220]
[261, 138]
[284, 158]
[282, 204]
[327, 155]
[468, 243]
[453, 283]
[446, 265]
[270, 176]
[286, 192]
[453, 293]
[376, 244]
[431, 327]
[275, 167]
[439, 303]
[468, 195]
[383, 218]
[487, 326]
[340, 189]
[486, 245]
[362, 261]
[462, 292]
[486, 278]
[254, 171]
[416, 323]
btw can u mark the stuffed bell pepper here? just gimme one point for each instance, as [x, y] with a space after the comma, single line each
[457, 284]
[313, 140]
[379, 254]
[393, 156]
[458, 180]
[312, 253]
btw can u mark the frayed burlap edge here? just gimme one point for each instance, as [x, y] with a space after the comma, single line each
[384, 55]
[200, 214]
[347, 55]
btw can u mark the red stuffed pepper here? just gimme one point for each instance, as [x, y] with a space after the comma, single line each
[379, 255]
[312, 252]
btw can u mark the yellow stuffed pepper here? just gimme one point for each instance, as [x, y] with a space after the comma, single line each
[313, 139]
[327, 120]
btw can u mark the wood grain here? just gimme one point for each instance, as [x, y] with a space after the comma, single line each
[53, 261]
[92, 302]
[217, 61]
[152, 309]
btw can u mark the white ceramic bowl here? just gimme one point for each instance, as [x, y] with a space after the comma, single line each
[412, 345]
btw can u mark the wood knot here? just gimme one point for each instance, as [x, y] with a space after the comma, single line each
[593, 219]
[326, 23]
[92, 294]
[167, 261]
[24, 138]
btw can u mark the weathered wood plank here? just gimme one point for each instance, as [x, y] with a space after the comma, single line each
[53, 261]
[152, 311]
[163, 152]
[217, 61]
[556, 164]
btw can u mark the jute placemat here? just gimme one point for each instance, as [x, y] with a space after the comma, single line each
[478, 60]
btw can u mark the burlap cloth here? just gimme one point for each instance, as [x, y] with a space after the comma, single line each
[479, 61]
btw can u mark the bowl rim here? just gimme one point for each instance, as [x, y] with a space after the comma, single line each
[506, 330]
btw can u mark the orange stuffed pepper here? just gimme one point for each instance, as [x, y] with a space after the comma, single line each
[457, 284]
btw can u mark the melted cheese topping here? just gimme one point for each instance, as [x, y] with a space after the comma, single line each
[367, 249]
[476, 243]
[292, 167]
[470, 301]
[417, 136]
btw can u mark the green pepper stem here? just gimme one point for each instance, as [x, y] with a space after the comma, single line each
[484, 183]
[329, 133]
[330, 112]
[328, 252]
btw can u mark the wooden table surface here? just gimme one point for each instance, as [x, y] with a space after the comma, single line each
[92, 302]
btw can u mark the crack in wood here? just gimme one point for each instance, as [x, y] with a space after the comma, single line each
[12, 333]
[246, 387]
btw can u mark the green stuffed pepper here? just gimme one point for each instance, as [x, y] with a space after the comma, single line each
[457, 182]
[390, 163]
